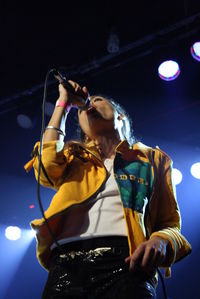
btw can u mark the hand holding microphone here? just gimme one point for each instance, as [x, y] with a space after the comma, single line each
[72, 93]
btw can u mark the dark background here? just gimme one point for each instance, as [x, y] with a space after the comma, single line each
[74, 38]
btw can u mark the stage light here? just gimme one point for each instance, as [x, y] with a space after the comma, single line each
[24, 121]
[195, 170]
[168, 70]
[13, 233]
[176, 176]
[28, 116]
[11, 257]
[195, 51]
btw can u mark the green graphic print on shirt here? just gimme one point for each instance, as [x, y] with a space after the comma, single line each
[135, 182]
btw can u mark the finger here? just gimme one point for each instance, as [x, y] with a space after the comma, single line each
[154, 261]
[148, 258]
[136, 258]
[158, 259]
[74, 84]
[127, 259]
[132, 264]
[82, 92]
[76, 87]
[85, 90]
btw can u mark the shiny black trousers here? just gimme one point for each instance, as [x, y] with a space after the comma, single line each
[94, 269]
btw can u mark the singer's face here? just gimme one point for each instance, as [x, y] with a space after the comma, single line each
[97, 118]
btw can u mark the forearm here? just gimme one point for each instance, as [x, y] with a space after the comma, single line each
[57, 120]
[60, 113]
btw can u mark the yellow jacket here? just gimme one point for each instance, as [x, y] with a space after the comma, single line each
[143, 175]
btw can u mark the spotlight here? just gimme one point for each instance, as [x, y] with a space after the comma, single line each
[195, 170]
[28, 116]
[24, 121]
[168, 70]
[195, 51]
[176, 176]
[13, 233]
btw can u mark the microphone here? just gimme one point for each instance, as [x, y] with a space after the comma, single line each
[84, 103]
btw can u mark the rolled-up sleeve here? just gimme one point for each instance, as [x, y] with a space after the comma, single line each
[168, 219]
[54, 160]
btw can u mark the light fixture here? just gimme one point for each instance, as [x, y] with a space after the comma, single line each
[195, 51]
[13, 233]
[176, 176]
[168, 70]
[24, 121]
[28, 116]
[195, 170]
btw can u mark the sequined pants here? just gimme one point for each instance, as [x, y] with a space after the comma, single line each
[94, 269]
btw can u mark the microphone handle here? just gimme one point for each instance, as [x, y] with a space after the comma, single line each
[62, 80]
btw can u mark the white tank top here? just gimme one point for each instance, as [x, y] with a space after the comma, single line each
[104, 217]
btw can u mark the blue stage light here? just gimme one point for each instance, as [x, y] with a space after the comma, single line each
[195, 51]
[24, 121]
[176, 176]
[195, 170]
[13, 233]
[168, 70]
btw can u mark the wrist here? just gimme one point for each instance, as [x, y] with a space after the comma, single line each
[168, 243]
[63, 104]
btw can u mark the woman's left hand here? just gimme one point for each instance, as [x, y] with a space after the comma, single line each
[148, 255]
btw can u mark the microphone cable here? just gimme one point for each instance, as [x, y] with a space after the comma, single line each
[40, 163]
[85, 105]
[163, 284]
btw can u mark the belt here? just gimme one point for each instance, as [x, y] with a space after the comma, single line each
[93, 247]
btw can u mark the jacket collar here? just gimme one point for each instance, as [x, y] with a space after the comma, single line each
[137, 150]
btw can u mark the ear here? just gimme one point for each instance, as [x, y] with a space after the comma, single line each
[121, 117]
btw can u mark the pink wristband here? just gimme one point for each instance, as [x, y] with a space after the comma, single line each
[60, 103]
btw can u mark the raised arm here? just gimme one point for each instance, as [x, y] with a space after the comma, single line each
[63, 105]
[54, 160]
